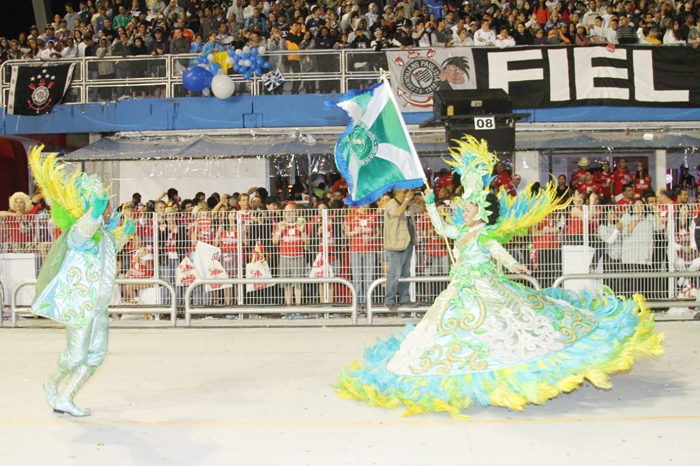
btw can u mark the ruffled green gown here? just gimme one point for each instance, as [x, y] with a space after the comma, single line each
[493, 341]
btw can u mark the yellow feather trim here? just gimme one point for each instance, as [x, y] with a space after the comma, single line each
[50, 177]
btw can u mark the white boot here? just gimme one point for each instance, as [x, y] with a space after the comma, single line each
[64, 403]
[51, 383]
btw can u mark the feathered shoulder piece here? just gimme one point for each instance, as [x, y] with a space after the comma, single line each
[60, 190]
[474, 164]
[519, 213]
[70, 196]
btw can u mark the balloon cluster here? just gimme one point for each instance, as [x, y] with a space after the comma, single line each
[248, 61]
[208, 73]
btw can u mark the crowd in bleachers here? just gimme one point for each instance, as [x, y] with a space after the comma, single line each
[156, 27]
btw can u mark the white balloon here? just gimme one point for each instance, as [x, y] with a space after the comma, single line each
[210, 57]
[261, 50]
[221, 71]
[247, 63]
[246, 49]
[239, 52]
[229, 61]
[206, 92]
[222, 86]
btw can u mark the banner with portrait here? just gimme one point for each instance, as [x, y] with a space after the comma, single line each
[551, 76]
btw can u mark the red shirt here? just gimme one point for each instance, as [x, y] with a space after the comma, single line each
[578, 174]
[604, 180]
[171, 241]
[228, 241]
[366, 238]
[140, 268]
[291, 239]
[340, 184]
[546, 240]
[21, 229]
[641, 185]
[587, 187]
[442, 182]
[619, 178]
[574, 226]
[623, 203]
[502, 178]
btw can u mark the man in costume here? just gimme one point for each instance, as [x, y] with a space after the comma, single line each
[76, 281]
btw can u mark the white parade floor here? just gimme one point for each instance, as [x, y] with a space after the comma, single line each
[262, 396]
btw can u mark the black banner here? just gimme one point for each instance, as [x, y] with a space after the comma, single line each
[34, 90]
[552, 76]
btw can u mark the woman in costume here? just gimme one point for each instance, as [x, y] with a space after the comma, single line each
[492, 341]
[76, 281]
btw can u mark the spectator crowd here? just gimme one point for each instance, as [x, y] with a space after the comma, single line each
[308, 231]
[157, 27]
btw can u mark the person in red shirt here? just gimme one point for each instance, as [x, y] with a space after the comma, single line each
[627, 195]
[588, 184]
[604, 179]
[290, 235]
[443, 180]
[502, 175]
[642, 180]
[619, 178]
[362, 227]
[580, 174]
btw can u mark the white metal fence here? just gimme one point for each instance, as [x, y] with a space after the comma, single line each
[181, 247]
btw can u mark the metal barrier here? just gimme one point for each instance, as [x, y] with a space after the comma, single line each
[371, 309]
[270, 309]
[114, 77]
[15, 310]
[2, 303]
[622, 275]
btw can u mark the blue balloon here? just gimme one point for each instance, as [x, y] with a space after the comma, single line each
[232, 53]
[259, 61]
[214, 68]
[196, 79]
[253, 52]
[245, 56]
[266, 65]
[202, 59]
[246, 75]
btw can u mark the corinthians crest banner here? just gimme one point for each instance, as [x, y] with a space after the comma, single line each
[551, 76]
[35, 89]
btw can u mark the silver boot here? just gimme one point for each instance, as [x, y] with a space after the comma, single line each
[64, 403]
[51, 383]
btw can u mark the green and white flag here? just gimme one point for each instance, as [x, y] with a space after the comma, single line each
[375, 153]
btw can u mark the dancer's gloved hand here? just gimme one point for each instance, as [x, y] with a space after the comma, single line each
[99, 206]
[429, 196]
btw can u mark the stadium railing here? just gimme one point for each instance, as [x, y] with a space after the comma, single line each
[309, 244]
[111, 79]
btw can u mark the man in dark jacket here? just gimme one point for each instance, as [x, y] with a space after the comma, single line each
[179, 44]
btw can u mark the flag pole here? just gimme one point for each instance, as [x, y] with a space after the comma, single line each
[384, 76]
[442, 227]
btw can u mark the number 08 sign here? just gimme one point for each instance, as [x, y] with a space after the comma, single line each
[483, 123]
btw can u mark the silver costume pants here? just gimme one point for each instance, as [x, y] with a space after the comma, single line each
[86, 345]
